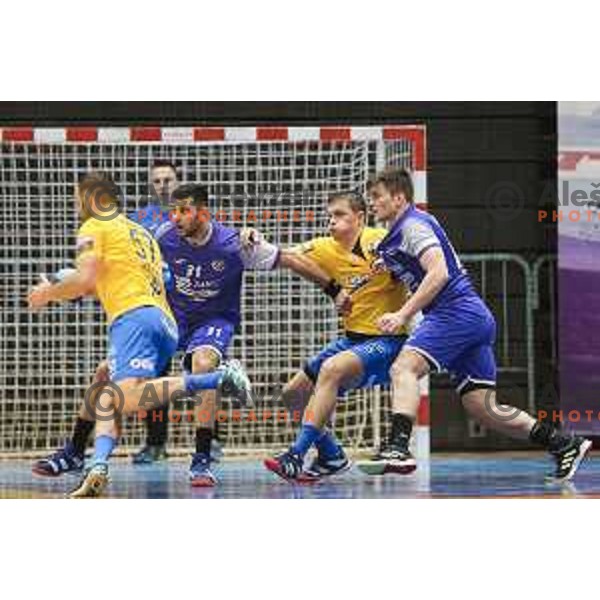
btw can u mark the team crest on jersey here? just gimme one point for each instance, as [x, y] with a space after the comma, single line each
[218, 265]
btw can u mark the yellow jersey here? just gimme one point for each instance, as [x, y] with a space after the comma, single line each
[130, 265]
[380, 295]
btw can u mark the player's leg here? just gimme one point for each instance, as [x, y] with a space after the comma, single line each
[342, 370]
[142, 344]
[296, 396]
[478, 395]
[71, 457]
[297, 392]
[157, 429]
[205, 359]
[364, 363]
[436, 342]
[206, 347]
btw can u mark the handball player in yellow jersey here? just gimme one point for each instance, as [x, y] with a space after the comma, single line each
[362, 357]
[120, 262]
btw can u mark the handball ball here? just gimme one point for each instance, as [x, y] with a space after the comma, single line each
[61, 274]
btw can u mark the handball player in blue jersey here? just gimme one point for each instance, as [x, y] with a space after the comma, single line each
[457, 334]
[207, 261]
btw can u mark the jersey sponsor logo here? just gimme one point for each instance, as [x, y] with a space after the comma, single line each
[196, 291]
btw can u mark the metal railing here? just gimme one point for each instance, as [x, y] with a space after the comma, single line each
[506, 283]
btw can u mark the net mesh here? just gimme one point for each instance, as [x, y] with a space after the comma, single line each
[46, 359]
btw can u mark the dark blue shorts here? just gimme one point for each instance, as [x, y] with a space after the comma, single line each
[459, 339]
[215, 334]
[142, 343]
[376, 354]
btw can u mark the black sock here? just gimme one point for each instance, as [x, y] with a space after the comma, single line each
[81, 434]
[401, 430]
[203, 439]
[547, 436]
[157, 424]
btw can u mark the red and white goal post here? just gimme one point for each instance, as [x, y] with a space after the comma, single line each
[274, 178]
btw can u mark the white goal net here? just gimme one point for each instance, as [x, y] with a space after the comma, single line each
[279, 186]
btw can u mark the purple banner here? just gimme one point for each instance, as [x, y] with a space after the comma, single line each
[578, 216]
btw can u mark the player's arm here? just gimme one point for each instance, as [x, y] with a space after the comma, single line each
[260, 254]
[434, 264]
[303, 266]
[80, 282]
[77, 283]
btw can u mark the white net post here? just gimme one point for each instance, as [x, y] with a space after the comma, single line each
[277, 180]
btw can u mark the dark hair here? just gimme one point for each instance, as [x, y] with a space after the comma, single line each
[99, 184]
[395, 181]
[198, 193]
[163, 163]
[356, 201]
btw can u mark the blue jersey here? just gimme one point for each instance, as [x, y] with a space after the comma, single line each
[207, 279]
[410, 237]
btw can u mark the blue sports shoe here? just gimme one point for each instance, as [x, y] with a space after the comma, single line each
[287, 465]
[66, 460]
[200, 473]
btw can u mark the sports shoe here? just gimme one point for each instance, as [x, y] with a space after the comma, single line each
[568, 458]
[287, 465]
[390, 459]
[322, 468]
[235, 382]
[93, 483]
[149, 455]
[64, 461]
[200, 473]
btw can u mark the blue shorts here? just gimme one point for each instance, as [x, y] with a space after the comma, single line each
[376, 354]
[459, 339]
[215, 334]
[142, 343]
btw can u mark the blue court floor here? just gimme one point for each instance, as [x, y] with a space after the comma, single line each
[465, 476]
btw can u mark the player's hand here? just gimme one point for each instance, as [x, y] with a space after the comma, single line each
[378, 266]
[40, 295]
[343, 303]
[250, 237]
[390, 323]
